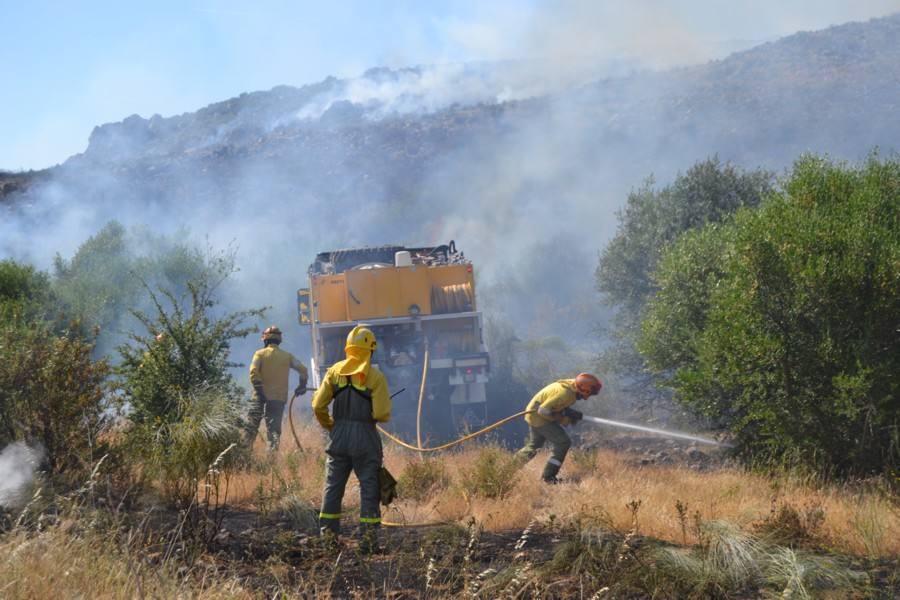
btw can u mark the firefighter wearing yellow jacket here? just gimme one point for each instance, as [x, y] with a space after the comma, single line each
[552, 405]
[359, 398]
[269, 373]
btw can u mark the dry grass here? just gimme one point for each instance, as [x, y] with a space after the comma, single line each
[575, 539]
[848, 519]
[60, 563]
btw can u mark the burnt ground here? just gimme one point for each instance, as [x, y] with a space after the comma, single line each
[273, 554]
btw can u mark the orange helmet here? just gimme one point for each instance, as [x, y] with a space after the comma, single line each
[587, 384]
[272, 334]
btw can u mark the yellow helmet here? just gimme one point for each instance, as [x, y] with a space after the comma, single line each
[361, 337]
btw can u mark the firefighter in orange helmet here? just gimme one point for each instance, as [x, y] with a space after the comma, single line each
[269, 375]
[552, 410]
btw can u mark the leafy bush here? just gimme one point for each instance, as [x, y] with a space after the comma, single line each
[783, 325]
[53, 394]
[185, 406]
[493, 474]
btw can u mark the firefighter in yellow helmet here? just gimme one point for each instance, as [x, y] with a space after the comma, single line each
[553, 410]
[269, 374]
[359, 398]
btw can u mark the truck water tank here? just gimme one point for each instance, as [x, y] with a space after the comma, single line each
[403, 259]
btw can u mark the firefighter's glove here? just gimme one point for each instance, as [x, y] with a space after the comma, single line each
[300, 390]
[572, 415]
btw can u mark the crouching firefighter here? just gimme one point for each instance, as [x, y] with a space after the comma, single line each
[553, 411]
[358, 393]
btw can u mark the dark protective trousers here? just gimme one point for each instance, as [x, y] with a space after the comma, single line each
[270, 410]
[559, 447]
[353, 445]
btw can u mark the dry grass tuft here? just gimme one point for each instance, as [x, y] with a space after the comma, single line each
[57, 563]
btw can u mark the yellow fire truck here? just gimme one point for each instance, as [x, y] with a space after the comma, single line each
[420, 302]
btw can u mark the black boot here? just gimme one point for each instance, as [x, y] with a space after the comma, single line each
[368, 543]
[330, 532]
[550, 471]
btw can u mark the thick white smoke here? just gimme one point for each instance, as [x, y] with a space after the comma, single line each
[18, 463]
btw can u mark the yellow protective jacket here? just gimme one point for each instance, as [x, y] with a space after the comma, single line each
[375, 383]
[555, 397]
[271, 367]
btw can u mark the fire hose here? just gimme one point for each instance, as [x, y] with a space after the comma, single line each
[461, 440]
[418, 447]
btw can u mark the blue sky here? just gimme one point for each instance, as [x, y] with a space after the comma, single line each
[69, 66]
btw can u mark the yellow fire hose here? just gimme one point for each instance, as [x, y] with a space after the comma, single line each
[421, 397]
[418, 447]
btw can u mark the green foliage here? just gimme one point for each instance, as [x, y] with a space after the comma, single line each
[783, 325]
[105, 278]
[186, 347]
[493, 474]
[53, 394]
[709, 192]
[184, 404]
[178, 453]
[25, 294]
[97, 285]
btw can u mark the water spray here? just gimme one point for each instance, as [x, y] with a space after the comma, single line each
[662, 432]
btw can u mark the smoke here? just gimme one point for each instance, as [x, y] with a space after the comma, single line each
[18, 464]
[523, 160]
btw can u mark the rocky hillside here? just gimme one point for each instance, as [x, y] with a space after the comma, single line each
[425, 154]
[830, 91]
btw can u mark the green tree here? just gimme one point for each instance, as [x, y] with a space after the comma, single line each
[25, 294]
[105, 278]
[709, 192]
[783, 325]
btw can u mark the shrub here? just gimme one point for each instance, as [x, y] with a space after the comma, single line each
[178, 453]
[53, 394]
[782, 325]
[788, 525]
[493, 474]
[185, 406]
[421, 480]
